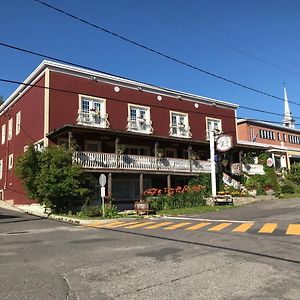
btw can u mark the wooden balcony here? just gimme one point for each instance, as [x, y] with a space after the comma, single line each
[114, 162]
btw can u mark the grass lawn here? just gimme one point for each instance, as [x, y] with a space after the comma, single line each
[192, 210]
[290, 196]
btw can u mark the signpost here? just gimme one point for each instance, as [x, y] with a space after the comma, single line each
[102, 182]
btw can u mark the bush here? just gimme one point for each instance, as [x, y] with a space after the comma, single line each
[111, 211]
[203, 180]
[287, 189]
[90, 211]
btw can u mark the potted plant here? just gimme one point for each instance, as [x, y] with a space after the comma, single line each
[268, 188]
[194, 155]
[160, 152]
[121, 148]
[251, 185]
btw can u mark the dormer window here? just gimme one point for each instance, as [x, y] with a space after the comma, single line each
[139, 119]
[179, 125]
[92, 111]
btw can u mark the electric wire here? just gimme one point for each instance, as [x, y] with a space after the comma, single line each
[159, 52]
[92, 69]
[152, 105]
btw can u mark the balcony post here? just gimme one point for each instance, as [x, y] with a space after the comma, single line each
[155, 154]
[116, 150]
[109, 184]
[70, 135]
[141, 186]
[190, 157]
[168, 181]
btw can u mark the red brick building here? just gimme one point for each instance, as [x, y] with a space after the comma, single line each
[117, 126]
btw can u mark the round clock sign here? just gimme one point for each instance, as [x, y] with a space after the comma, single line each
[224, 143]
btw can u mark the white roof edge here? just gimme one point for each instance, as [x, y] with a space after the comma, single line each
[268, 124]
[21, 87]
[52, 64]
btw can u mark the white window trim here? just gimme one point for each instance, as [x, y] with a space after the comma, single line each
[148, 122]
[214, 119]
[10, 161]
[103, 115]
[10, 129]
[18, 122]
[186, 125]
[3, 136]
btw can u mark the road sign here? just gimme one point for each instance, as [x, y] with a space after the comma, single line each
[102, 180]
[102, 191]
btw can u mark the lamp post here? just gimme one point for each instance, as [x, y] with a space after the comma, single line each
[212, 162]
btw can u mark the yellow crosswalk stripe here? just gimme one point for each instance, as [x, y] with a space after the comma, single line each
[121, 224]
[197, 226]
[178, 225]
[103, 224]
[268, 228]
[158, 225]
[243, 227]
[139, 225]
[219, 227]
[293, 229]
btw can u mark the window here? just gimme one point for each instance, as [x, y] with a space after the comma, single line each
[179, 125]
[294, 139]
[213, 124]
[278, 136]
[137, 150]
[1, 168]
[18, 122]
[3, 134]
[93, 111]
[266, 134]
[39, 146]
[10, 128]
[139, 119]
[10, 161]
[92, 146]
[171, 152]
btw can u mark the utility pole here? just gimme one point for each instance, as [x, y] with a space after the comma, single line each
[212, 162]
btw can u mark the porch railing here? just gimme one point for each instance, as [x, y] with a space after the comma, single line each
[250, 169]
[98, 160]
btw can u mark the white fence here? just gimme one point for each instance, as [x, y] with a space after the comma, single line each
[95, 160]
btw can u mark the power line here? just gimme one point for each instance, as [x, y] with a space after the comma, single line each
[158, 106]
[92, 69]
[85, 67]
[159, 52]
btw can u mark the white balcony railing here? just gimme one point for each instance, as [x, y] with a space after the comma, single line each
[97, 160]
[140, 125]
[93, 119]
[180, 130]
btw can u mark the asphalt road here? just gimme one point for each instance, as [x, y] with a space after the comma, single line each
[45, 259]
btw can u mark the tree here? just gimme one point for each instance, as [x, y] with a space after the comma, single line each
[52, 179]
[1, 100]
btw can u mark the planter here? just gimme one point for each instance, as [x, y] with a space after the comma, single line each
[141, 207]
[252, 193]
[269, 192]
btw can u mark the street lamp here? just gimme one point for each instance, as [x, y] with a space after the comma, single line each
[212, 134]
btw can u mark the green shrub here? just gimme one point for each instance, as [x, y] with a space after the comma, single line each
[111, 211]
[203, 180]
[90, 211]
[287, 189]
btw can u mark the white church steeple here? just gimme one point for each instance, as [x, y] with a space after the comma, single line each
[288, 120]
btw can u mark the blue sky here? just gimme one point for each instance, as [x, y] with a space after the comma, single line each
[255, 43]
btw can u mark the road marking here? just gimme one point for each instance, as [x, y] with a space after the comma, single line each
[158, 225]
[268, 228]
[102, 224]
[243, 227]
[206, 220]
[293, 229]
[197, 226]
[177, 225]
[122, 224]
[219, 227]
[139, 225]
